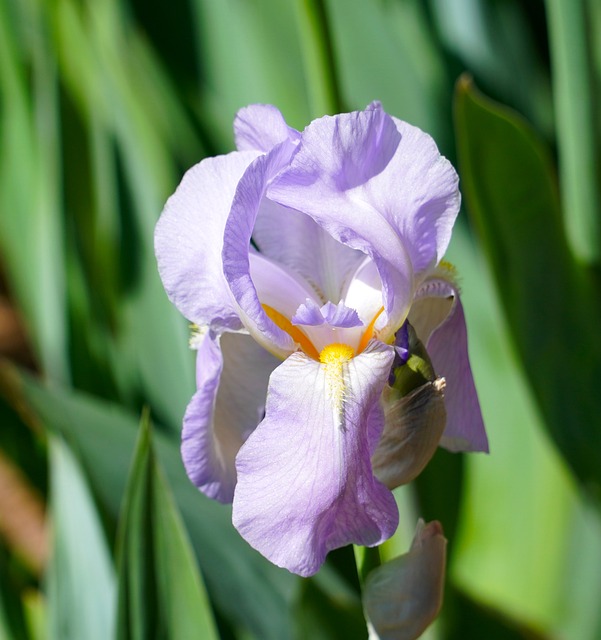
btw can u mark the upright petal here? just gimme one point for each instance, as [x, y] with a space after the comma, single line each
[438, 318]
[294, 239]
[327, 179]
[305, 483]
[236, 253]
[390, 167]
[419, 195]
[231, 375]
[189, 238]
[260, 127]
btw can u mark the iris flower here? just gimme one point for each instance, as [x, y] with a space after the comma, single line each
[298, 258]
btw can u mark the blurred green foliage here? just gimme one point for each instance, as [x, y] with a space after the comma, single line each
[103, 105]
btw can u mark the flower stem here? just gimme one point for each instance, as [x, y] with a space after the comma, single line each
[318, 57]
[574, 92]
[367, 559]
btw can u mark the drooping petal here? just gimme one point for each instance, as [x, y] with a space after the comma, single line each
[189, 238]
[438, 318]
[232, 373]
[327, 179]
[305, 483]
[402, 597]
[236, 253]
[259, 127]
[294, 239]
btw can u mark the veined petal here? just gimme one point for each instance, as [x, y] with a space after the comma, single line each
[326, 179]
[189, 238]
[438, 318]
[419, 194]
[231, 375]
[260, 127]
[236, 261]
[305, 483]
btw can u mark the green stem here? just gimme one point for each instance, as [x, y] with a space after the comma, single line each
[367, 559]
[574, 93]
[318, 57]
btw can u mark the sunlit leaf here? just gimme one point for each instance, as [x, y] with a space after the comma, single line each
[80, 578]
[519, 507]
[548, 299]
[160, 589]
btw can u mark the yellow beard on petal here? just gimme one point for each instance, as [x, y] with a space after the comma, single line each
[333, 357]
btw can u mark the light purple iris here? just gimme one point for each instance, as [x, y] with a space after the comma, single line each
[299, 256]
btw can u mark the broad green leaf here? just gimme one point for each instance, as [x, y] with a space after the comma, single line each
[549, 301]
[520, 510]
[80, 578]
[161, 593]
[245, 587]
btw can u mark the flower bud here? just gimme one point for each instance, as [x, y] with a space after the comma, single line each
[402, 597]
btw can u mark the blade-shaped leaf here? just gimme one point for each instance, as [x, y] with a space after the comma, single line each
[160, 589]
[550, 303]
[79, 607]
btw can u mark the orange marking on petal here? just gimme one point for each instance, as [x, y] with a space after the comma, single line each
[294, 332]
[368, 334]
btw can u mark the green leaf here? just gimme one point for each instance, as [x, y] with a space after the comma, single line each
[403, 68]
[248, 52]
[31, 224]
[318, 56]
[80, 578]
[549, 300]
[12, 616]
[161, 593]
[470, 620]
[519, 507]
[244, 586]
[130, 130]
[327, 610]
[578, 124]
